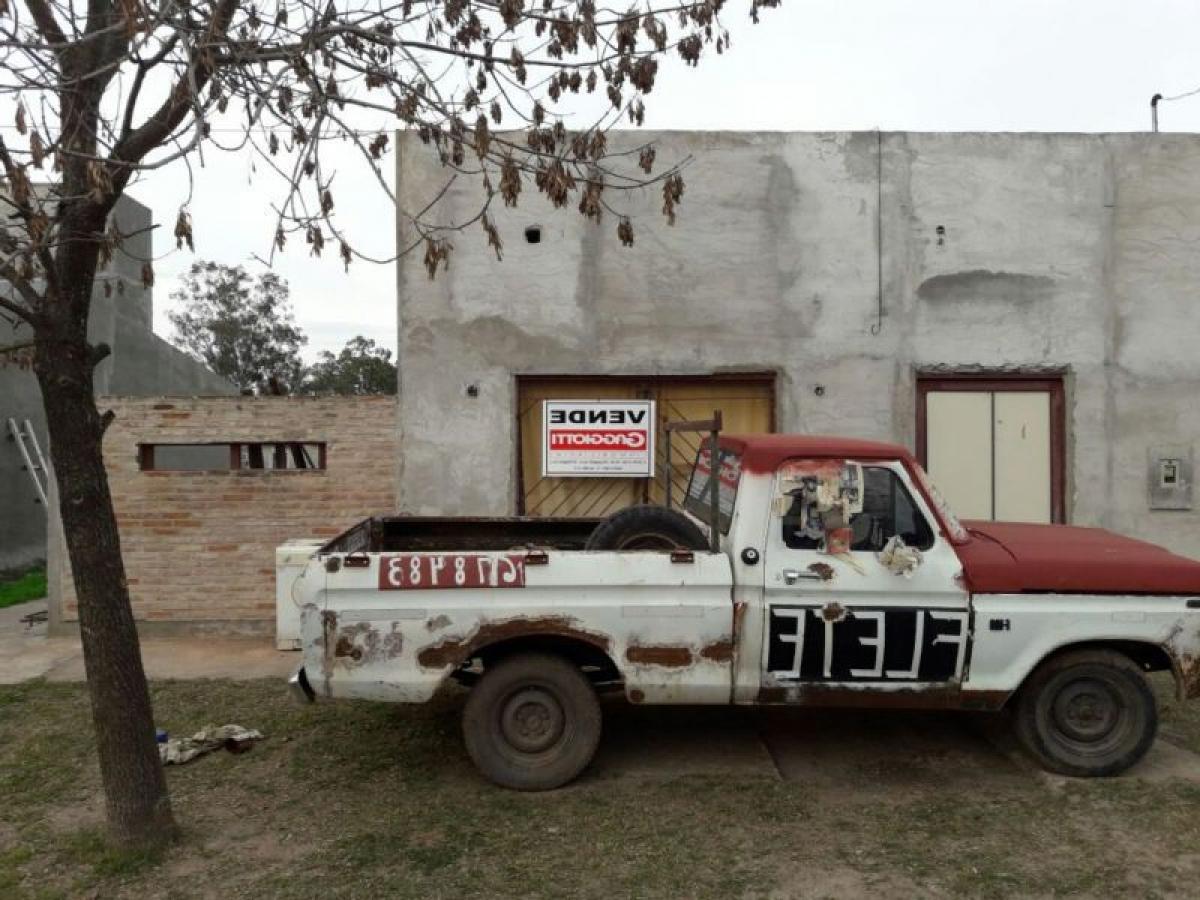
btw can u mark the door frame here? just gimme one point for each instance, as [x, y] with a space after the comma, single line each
[1051, 383]
[645, 385]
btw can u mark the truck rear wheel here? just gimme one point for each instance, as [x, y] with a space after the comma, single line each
[532, 723]
[1087, 713]
[647, 527]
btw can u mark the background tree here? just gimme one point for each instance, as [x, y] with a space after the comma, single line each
[100, 92]
[239, 327]
[361, 367]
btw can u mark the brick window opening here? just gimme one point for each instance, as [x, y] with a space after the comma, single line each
[231, 457]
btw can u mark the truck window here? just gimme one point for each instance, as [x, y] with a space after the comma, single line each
[887, 509]
[698, 499]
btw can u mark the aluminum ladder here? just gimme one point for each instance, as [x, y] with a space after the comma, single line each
[26, 439]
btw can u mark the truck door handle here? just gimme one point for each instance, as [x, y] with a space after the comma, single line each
[791, 576]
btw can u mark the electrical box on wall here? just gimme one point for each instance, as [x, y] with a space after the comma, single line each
[1170, 477]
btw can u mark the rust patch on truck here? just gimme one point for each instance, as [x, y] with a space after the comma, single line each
[364, 644]
[1189, 676]
[329, 621]
[718, 651]
[659, 655]
[454, 651]
[824, 570]
[345, 647]
[1185, 666]
[833, 612]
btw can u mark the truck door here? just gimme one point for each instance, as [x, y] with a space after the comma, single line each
[863, 596]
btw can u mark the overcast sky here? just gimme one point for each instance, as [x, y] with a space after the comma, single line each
[917, 65]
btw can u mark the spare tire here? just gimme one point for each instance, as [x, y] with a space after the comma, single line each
[647, 527]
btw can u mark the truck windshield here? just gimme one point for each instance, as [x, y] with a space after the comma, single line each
[698, 499]
[957, 532]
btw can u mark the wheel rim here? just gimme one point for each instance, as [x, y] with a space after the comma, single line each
[1089, 716]
[1086, 710]
[532, 720]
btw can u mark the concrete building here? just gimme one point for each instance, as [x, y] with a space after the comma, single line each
[141, 364]
[1017, 308]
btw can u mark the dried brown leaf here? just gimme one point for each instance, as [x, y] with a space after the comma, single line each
[625, 232]
[436, 252]
[183, 231]
[493, 236]
[672, 194]
[510, 181]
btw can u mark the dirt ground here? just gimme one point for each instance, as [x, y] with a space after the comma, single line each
[357, 799]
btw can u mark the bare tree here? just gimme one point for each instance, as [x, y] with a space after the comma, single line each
[103, 91]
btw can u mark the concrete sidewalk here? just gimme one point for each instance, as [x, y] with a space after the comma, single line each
[26, 652]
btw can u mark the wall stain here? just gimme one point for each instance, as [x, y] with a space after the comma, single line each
[988, 287]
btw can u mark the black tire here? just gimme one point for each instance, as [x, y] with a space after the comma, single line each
[647, 527]
[1087, 713]
[532, 723]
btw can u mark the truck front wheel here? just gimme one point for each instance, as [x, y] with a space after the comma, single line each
[532, 723]
[1087, 713]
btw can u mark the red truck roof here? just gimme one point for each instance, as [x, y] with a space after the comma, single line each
[766, 452]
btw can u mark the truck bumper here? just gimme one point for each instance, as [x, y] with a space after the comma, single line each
[299, 687]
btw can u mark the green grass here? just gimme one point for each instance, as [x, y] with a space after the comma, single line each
[30, 586]
[358, 799]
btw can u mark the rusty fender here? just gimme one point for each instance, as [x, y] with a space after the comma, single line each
[456, 650]
[1185, 664]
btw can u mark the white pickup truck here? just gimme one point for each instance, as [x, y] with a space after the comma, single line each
[841, 579]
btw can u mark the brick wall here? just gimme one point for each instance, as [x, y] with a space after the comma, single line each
[199, 547]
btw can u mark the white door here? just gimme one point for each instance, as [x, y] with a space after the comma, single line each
[846, 621]
[989, 453]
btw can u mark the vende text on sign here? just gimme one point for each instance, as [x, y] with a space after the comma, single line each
[598, 438]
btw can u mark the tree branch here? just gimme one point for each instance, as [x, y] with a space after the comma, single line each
[47, 25]
[24, 288]
[144, 66]
[163, 122]
[13, 348]
[21, 312]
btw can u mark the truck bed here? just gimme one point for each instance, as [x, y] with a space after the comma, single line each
[448, 534]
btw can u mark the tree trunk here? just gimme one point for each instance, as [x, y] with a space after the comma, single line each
[135, 788]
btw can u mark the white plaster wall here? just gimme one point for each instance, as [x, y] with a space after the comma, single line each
[1061, 252]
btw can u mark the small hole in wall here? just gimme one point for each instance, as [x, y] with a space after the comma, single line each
[819, 390]
[533, 234]
[472, 390]
[941, 234]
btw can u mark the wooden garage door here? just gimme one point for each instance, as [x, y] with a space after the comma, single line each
[747, 404]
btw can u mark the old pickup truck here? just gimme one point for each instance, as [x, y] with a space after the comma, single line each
[811, 572]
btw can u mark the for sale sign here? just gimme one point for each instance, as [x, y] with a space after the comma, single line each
[598, 438]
